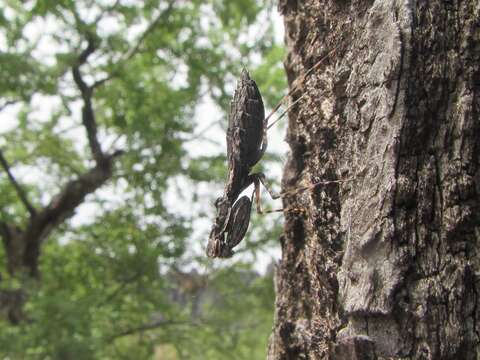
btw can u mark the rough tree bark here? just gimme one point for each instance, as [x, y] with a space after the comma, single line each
[384, 265]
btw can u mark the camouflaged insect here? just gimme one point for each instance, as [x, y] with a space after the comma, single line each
[246, 144]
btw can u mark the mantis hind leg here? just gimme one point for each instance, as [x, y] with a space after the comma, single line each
[257, 179]
[260, 178]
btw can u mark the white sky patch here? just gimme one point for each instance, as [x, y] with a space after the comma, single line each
[209, 136]
[41, 32]
[9, 120]
[43, 106]
[279, 29]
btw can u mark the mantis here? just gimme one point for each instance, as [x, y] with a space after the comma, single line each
[246, 144]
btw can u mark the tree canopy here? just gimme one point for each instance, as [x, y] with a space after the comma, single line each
[100, 130]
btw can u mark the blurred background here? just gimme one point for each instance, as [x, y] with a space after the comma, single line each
[124, 275]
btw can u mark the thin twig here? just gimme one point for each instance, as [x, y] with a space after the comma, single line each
[88, 116]
[132, 51]
[7, 103]
[119, 289]
[112, 145]
[150, 326]
[106, 10]
[136, 48]
[20, 192]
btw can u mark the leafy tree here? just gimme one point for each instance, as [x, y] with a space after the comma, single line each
[99, 101]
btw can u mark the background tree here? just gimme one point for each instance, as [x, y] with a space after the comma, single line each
[385, 263]
[99, 103]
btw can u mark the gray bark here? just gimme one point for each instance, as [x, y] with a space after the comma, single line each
[384, 265]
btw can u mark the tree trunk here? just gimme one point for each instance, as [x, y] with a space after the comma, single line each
[383, 264]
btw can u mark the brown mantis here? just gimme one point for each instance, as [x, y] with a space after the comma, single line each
[246, 144]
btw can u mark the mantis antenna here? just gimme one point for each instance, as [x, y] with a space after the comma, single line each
[297, 83]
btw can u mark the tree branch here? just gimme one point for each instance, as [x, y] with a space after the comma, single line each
[147, 31]
[20, 192]
[7, 103]
[88, 116]
[136, 48]
[119, 289]
[62, 207]
[150, 326]
[42, 222]
[12, 301]
[106, 10]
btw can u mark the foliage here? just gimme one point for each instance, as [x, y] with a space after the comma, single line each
[107, 287]
[236, 319]
[88, 303]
